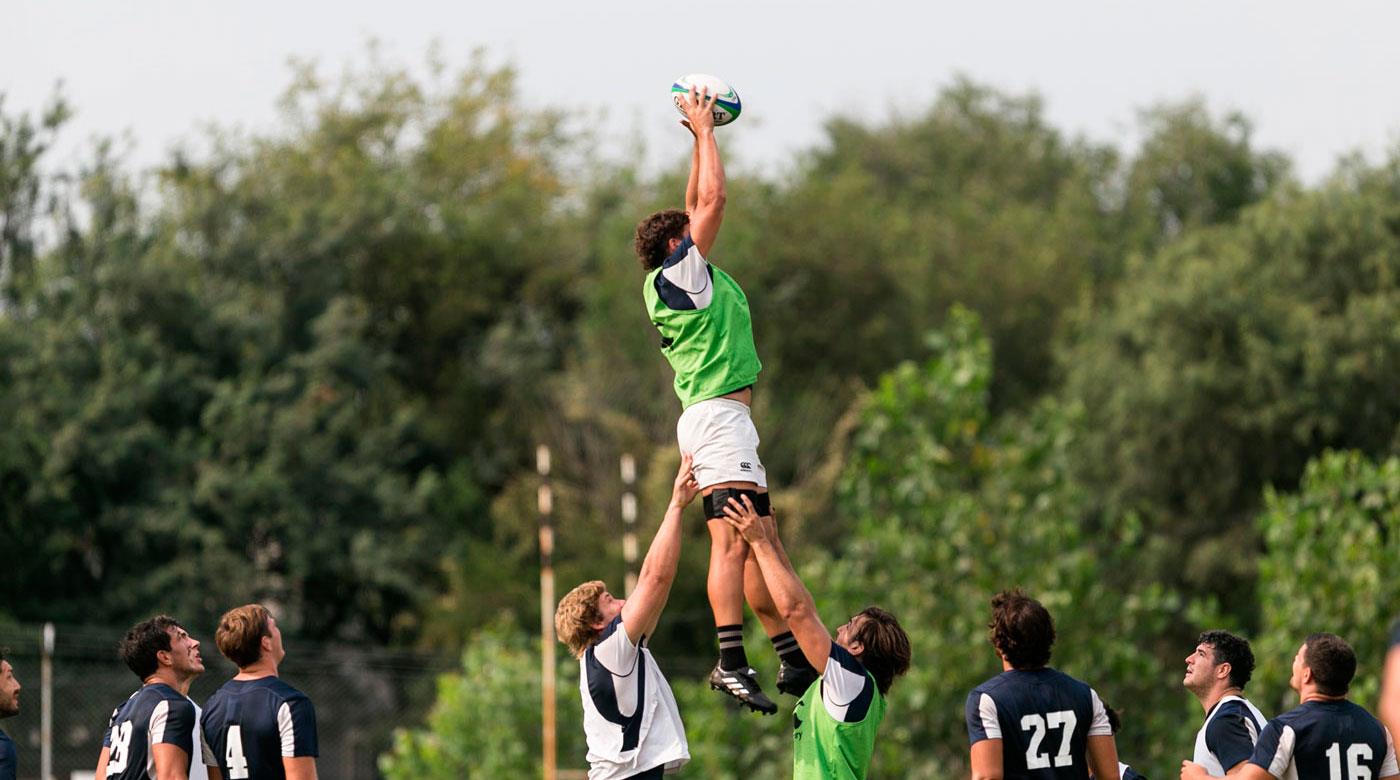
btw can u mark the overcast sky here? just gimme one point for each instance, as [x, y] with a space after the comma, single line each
[1319, 80]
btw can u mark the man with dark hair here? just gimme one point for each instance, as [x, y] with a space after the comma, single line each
[9, 707]
[1216, 673]
[1326, 736]
[838, 716]
[707, 336]
[256, 725]
[155, 734]
[630, 719]
[1031, 721]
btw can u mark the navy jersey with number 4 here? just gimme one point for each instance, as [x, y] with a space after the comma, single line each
[1044, 719]
[1325, 739]
[251, 725]
[155, 715]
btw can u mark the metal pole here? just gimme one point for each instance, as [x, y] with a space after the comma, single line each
[629, 519]
[547, 664]
[46, 706]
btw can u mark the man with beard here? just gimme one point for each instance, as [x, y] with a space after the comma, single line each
[155, 734]
[1216, 672]
[9, 707]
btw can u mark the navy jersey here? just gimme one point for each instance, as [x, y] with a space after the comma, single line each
[9, 761]
[155, 715]
[1395, 635]
[251, 725]
[1044, 719]
[1325, 739]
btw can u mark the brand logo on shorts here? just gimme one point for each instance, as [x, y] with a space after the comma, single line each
[745, 466]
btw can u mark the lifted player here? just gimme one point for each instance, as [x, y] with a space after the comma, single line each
[1326, 736]
[257, 726]
[1216, 672]
[155, 734]
[707, 336]
[836, 720]
[1031, 721]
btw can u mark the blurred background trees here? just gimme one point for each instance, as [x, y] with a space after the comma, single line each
[1154, 386]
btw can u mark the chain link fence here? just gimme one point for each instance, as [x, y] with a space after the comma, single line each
[361, 695]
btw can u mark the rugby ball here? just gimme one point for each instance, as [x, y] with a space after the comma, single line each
[727, 105]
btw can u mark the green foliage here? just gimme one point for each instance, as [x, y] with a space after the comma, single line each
[486, 722]
[1329, 565]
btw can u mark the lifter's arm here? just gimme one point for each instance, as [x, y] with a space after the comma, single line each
[644, 605]
[791, 597]
[706, 171]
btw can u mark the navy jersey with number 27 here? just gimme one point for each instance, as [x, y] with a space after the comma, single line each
[251, 725]
[1044, 719]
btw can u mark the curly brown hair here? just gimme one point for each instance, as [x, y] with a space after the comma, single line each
[1021, 629]
[654, 234]
[576, 616]
[886, 654]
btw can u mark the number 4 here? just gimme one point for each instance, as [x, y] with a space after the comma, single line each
[233, 754]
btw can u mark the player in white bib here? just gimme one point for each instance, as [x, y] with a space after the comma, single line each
[1216, 673]
[630, 717]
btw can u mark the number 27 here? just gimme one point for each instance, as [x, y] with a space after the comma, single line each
[1038, 725]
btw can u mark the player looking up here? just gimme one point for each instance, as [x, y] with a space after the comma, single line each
[836, 720]
[707, 336]
[1031, 721]
[629, 712]
[9, 707]
[256, 725]
[155, 734]
[1216, 673]
[1326, 736]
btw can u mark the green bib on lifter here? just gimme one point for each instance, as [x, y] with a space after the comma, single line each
[824, 748]
[710, 349]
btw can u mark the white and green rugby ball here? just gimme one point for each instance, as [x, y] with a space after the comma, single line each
[727, 105]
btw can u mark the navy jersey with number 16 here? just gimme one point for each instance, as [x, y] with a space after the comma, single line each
[1044, 719]
[1325, 739]
[251, 725]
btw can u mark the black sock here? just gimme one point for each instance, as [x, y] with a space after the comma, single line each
[785, 645]
[731, 647]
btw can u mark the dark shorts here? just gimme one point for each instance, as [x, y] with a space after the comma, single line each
[655, 773]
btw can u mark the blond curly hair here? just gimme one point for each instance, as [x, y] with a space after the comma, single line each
[576, 616]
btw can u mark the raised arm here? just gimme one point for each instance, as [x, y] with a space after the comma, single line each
[644, 604]
[706, 171]
[789, 594]
[692, 185]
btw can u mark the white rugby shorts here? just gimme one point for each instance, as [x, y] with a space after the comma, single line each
[720, 436]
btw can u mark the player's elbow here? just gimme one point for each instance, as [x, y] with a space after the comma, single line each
[711, 199]
[795, 610]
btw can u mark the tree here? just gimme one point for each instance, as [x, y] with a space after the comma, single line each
[1329, 565]
[1233, 355]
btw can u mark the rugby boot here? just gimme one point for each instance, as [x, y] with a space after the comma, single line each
[742, 684]
[795, 680]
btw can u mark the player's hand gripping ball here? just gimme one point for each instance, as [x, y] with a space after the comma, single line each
[727, 105]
